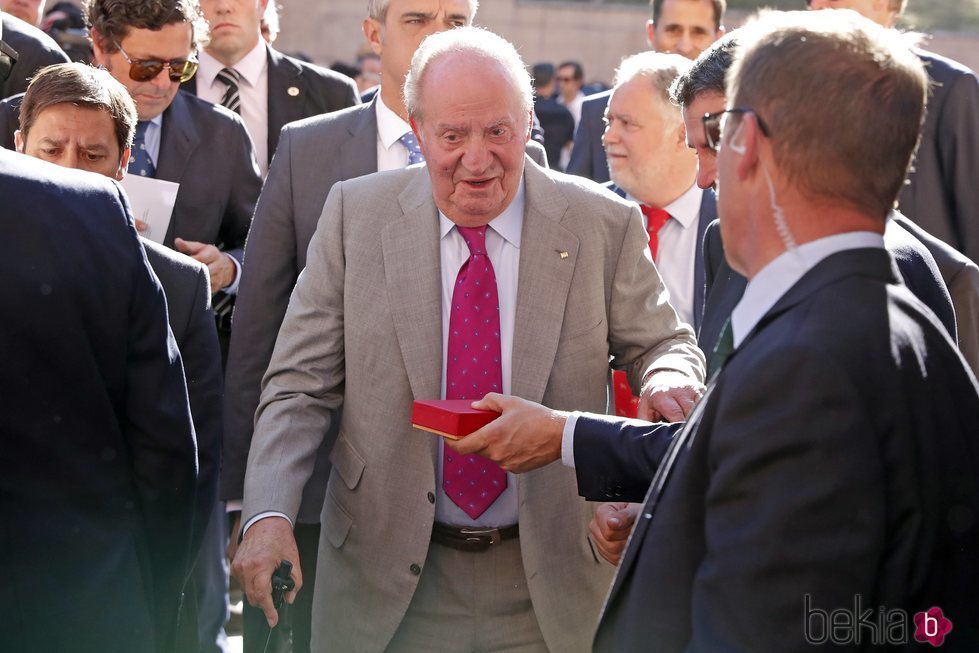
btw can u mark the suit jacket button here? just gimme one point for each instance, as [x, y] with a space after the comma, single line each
[415, 570]
[431, 497]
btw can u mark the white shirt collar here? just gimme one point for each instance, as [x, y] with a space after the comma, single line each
[776, 278]
[508, 224]
[390, 126]
[250, 66]
[684, 209]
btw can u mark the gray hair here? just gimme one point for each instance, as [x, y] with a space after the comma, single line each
[659, 69]
[378, 9]
[469, 42]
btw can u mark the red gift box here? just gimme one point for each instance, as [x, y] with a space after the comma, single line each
[449, 418]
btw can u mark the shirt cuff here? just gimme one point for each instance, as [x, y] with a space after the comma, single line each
[233, 506]
[232, 288]
[567, 440]
[263, 515]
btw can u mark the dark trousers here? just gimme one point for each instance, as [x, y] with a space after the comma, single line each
[294, 629]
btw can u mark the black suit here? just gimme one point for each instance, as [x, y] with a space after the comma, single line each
[832, 456]
[98, 458]
[940, 195]
[35, 50]
[915, 262]
[298, 90]
[557, 125]
[588, 155]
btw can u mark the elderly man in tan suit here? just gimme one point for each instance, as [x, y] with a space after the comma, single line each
[480, 270]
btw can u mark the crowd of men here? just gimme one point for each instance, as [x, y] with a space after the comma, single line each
[763, 251]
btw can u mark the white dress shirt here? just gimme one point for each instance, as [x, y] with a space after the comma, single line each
[503, 249]
[253, 88]
[391, 153]
[762, 293]
[676, 256]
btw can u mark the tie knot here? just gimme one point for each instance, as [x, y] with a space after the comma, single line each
[414, 149]
[229, 76]
[655, 218]
[475, 238]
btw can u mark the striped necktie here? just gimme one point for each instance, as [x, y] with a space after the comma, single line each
[232, 98]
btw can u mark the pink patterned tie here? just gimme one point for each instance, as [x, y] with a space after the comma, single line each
[473, 369]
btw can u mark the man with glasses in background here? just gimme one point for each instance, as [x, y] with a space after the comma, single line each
[150, 47]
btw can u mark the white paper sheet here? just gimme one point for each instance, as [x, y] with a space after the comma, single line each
[152, 202]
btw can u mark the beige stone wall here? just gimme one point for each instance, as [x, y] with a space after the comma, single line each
[598, 36]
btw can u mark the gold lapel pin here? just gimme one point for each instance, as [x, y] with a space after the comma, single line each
[293, 91]
[564, 255]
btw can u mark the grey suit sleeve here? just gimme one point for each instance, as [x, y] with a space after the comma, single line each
[303, 387]
[775, 526]
[645, 333]
[267, 281]
[958, 145]
[246, 184]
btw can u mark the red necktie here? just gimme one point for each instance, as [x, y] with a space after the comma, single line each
[627, 404]
[473, 368]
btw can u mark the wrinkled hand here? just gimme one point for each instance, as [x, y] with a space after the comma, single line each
[266, 543]
[525, 437]
[233, 539]
[668, 396]
[610, 528]
[219, 264]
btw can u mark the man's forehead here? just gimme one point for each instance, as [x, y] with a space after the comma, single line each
[679, 12]
[451, 8]
[173, 41]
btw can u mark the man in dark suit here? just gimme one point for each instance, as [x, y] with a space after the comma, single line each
[218, 186]
[268, 89]
[98, 461]
[28, 49]
[940, 195]
[685, 27]
[556, 121]
[312, 155]
[79, 117]
[834, 451]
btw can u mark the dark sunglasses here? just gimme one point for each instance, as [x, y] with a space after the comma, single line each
[143, 70]
[713, 124]
[8, 57]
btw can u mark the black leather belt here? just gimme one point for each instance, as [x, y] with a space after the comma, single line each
[472, 539]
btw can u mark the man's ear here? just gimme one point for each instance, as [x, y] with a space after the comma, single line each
[415, 130]
[123, 164]
[651, 34]
[19, 141]
[99, 53]
[745, 141]
[530, 125]
[373, 32]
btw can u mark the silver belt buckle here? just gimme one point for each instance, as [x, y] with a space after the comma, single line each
[477, 535]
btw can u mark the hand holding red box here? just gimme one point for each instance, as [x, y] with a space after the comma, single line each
[449, 418]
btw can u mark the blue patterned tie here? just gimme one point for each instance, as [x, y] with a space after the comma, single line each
[140, 162]
[414, 150]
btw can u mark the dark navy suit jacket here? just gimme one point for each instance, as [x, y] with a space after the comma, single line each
[833, 456]
[98, 458]
[587, 154]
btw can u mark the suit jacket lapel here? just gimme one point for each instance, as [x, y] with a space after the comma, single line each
[414, 289]
[708, 213]
[358, 154]
[545, 280]
[287, 91]
[178, 140]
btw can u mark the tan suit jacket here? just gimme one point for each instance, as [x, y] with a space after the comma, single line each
[373, 267]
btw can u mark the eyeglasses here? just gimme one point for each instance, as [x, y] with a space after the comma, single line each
[565, 79]
[8, 57]
[713, 123]
[143, 70]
